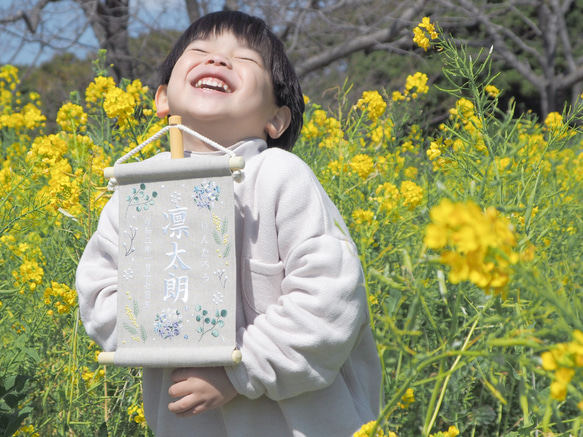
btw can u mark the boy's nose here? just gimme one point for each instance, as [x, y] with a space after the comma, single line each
[218, 60]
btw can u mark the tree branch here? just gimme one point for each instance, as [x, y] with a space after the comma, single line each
[363, 42]
[31, 18]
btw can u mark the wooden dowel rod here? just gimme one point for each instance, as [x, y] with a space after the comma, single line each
[236, 163]
[176, 146]
[236, 356]
[105, 357]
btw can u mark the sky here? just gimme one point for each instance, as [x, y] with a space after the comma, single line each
[64, 22]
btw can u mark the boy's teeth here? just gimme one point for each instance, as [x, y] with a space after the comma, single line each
[213, 84]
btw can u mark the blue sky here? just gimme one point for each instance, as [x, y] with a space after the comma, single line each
[63, 22]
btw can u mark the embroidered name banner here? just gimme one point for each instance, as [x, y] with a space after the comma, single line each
[177, 263]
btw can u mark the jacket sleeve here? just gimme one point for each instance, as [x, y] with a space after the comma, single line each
[96, 279]
[301, 340]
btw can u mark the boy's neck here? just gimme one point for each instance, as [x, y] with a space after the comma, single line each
[193, 144]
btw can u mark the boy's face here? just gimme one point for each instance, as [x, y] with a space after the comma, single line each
[222, 89]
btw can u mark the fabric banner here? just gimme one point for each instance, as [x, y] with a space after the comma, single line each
[177, 263]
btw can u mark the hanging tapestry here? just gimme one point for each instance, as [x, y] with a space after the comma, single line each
[177, 263]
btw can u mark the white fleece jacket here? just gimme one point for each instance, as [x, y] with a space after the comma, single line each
[310, 365]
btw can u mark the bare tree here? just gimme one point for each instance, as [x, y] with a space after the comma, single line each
[536, 38]
[320, 33]
[547, 52]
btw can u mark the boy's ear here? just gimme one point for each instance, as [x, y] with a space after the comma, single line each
[162, 109]
[280, 121]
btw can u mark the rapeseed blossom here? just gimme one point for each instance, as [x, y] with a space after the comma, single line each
[387, 195]
[415, 84]
[407, 399]
[554, 120]
[492, 91]
[366, 429]
[136, 412]
[324, 127]
[363, 217]
[451, 432]
[422, 37]
[27, 430]
[120, 104]
[362, 164]
[481, 244]
[411, 193]
[66, 298]
[564, 360]
[72, 118]
[373, 104]
[98, 89]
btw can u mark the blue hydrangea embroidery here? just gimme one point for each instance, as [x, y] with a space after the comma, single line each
[206, 194]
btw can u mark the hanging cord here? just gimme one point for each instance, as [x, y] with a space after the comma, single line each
[237, 175]
[165, 129]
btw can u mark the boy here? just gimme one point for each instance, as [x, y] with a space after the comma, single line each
[310, 365]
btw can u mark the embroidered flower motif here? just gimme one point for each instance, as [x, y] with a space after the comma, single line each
[206, 194]
[168, 323]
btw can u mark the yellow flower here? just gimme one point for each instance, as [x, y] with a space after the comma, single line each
[549, 362]
[417, 80]
[363, 217]
[407, 399]
[66, 298]
[558, 390]
[71, 117]
[119, 104]
[451, 432]
[26, 430]
[387, 196]
[411, 193]
[492, 91]
[554, 120]
[9, 74]
[410, 172]
[482, 243]
[422, 37]
[366, 429]
[362, 164]
[137, 413]
[372, 103]
[397, 96]
[98, 89]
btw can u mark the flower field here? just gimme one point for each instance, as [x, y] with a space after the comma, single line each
[469, 235]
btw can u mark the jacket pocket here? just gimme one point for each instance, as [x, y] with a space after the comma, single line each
[261, 286]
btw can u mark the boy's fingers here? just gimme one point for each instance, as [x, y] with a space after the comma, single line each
[182, 388]
[180, 374]
[185, 406]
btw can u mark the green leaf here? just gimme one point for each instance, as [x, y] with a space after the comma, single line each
[130, 328]
[216, 236]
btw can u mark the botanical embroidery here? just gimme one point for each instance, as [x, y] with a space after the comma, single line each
[221, 237]
[208, 324]
[132, 236]
[168, 323]
[137, 331]
[140, 199]
[206, 194]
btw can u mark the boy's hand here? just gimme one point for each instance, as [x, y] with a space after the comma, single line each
[200, 389]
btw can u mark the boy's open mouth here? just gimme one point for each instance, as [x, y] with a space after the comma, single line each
[212, 83]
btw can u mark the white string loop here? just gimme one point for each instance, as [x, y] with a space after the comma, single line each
[237, 175]
[163, 131]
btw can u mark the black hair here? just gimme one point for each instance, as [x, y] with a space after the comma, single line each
[257, 35]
